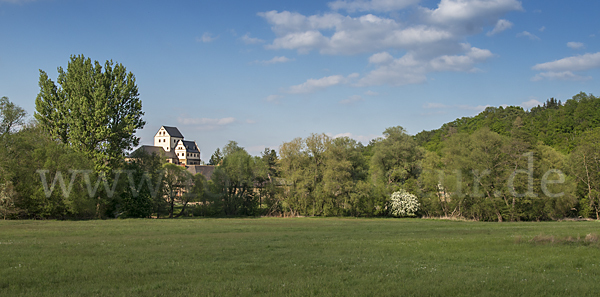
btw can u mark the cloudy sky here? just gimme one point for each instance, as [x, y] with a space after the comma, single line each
[263, 72]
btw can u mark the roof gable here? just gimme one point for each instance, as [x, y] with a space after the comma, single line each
[188, 146]
[191, 146]
[173, 131]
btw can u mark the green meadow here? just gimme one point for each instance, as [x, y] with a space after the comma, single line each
[298, 257]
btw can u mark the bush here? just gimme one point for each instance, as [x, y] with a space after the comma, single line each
[404, 204]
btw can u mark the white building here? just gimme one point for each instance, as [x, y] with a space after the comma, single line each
[171, 140]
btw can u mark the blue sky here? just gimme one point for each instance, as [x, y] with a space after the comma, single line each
[263, 72]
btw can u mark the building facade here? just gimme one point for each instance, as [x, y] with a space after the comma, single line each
[171, 140]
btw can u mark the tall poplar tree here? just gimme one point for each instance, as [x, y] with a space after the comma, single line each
[94, 109]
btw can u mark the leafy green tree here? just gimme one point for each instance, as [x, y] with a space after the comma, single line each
[44, 178]
[231, 148]
[94, 109]
[198, 193]
[585, 166]
[345, 167]
[395, 159]
[236, 179]
[269, 158]
[434, 198]
[194, 192]
[480, 168]
[7, 196]
[556, 191]
[216, 158]
[293, 167]
[324, 176]
[142, 189]
[11, 116]
[177, 183]
[268, 189]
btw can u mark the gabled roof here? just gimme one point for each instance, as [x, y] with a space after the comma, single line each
[173, 131]
[190, 146]
[155, 150]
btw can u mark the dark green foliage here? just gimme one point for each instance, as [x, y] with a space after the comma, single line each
[327, 177]
[395, 160]
[237, 181]
[216, 158]
[141, 192]
[29, 150]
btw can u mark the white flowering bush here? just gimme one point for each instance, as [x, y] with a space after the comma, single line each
[404, 204]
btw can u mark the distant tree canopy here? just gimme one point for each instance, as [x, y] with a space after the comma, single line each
[555, 123]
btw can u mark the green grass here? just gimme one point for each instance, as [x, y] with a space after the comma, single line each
[296, 257]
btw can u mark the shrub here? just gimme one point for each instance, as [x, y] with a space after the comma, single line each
[404, 204]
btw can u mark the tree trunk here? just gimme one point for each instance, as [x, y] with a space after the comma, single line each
[182, 210]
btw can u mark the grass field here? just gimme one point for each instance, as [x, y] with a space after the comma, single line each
[295, 257]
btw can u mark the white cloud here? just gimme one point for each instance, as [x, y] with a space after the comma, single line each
[542, 29]
[469, 16]
[575, 45]
[434, 113]
[207, 37]
[352, 99]
[403, 71]
[371, 93]
[278, 59]
[250, 40]
[528, 35]
[372, 5]
[559, 75]
[274, 98]
[478, 108]
[351, 35]
[531, 103]
[435, 105]
[409, 69]
[464, 62]
[381, 58]
[574, 63]
[501, 25]
[206, 123]
[433, 29]
[312, 85]
[430, 39]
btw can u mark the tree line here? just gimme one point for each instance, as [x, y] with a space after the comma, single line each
[505, 164]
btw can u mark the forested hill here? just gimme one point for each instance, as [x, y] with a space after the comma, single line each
[556, 123]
